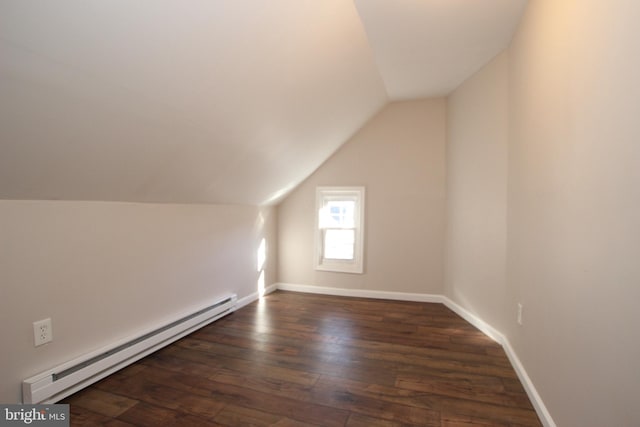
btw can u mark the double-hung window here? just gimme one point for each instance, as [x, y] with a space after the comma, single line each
[339, 229]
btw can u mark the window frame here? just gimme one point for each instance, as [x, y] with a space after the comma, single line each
[355, 265]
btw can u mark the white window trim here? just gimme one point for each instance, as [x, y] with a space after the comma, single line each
[343, 266]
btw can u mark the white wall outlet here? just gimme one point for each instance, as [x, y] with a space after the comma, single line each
[519, 314]
[42, 332]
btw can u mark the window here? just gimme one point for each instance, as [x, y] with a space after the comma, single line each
[339, 229]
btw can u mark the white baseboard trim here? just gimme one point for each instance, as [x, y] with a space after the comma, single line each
[491, 332]
[360, 293]
[255, 296]
[536, 400]
[484, 327]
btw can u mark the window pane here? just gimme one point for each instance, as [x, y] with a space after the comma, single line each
[339, 244]
[338, 214]
[339, 234]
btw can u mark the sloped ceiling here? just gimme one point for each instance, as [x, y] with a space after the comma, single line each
[426, 48]
[199, 101]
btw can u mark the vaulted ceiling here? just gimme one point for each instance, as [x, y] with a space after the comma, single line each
[215, 101]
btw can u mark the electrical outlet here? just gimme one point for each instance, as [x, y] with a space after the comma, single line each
[42, 332]
[519, 314]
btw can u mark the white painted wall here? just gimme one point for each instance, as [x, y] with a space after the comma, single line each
[399, 156]
[105, 271]
[476, 239]
[574, 207]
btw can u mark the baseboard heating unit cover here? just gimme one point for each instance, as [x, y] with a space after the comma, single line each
[66, 379]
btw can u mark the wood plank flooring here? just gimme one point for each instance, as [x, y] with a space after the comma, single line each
[296, 359]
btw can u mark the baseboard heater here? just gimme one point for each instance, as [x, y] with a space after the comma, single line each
[68, 378]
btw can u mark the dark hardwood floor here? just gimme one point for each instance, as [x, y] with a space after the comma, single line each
[296, 359]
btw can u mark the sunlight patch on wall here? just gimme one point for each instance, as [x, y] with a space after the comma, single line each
[262, 259]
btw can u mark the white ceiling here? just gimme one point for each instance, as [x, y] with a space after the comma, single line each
[214, 101]
[426, 48]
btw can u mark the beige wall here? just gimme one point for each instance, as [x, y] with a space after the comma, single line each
[105, 271]
[573, 221]
[574, 207]
[476, 239]
[399, 156]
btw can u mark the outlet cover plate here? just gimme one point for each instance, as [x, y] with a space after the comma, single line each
[519, 317]
[42, 332]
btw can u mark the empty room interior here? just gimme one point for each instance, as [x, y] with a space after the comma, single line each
[335, 212]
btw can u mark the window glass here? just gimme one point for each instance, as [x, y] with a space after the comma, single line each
[339, 236]
[339, 244]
